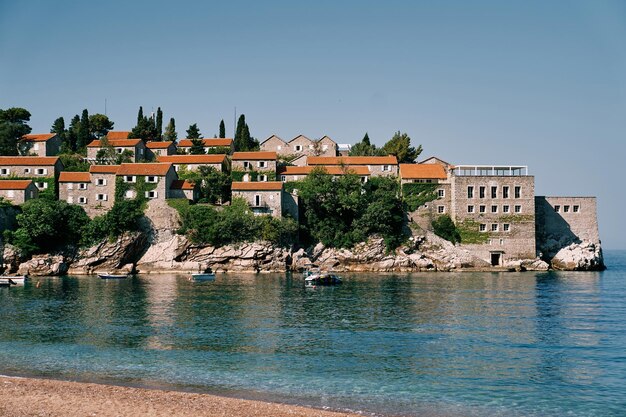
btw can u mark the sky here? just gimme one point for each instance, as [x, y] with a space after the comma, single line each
[533, 83]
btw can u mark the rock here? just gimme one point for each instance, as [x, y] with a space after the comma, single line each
[110, 256]
[11, 258]
[41, 265]
[583, 256]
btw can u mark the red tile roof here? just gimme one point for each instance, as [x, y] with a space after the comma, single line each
[38, 137]
[332, 170]
[182, 185]
[103, 169]
[15, 184]
[215, 142]
[158, 145]
[144, 169]
[422, 171]
[28, 160]
[75, 177]
[115, 142]
[242, 156]
[192, 159]
[118, 135]
[257, 186]
[352, 160]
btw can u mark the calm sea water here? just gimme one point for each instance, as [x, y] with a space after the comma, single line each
[453, 344]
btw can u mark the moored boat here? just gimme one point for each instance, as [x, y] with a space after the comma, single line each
[13, 280]
[113, 276]
[322, 280]
[203, 276]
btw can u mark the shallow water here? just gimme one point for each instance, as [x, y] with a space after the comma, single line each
[440, 344]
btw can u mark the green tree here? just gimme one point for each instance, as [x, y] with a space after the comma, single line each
[365, 148]
[170, 131]
[215, 186]
[58, 128]
[71, 137]
[84, 135]
[444, 227]
[140, 115]
[400, 146]
[222, 129]
[13, 125]
[107, 155]
[243, 141]
[159, 124]
[145, 129]
[99, 125]
[193, 132]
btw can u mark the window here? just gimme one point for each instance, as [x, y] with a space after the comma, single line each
[565, 209]
[101, 197]
[518, 209]
[576, 209]
[494, 227]
[441, 209]
[41, 185]
[557, 208]
[41, 171]
[130, 178]
[494, 209]
[26, 170]
[481, 192]
[441, 193]
[119, 150]
[261, 164]
[298, 148]
[505, 191]
[386, 168]
[152, 179]
[246, 165]
[470, 191]
[257, 200]
[505, 209]
[82, 186]
[364, 179]
[494, 192]
[4, 171]
[278, 148]
[470, 209]
[101, 181]
[129, 194]
[518, 191]
[483, 227]
[283, 178]
[506, 227]
[482, 209]
[82, 200]
[261, 178]
[151, 194]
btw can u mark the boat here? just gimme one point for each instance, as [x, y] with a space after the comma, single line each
[322, 280]
[13, 280]
[206, 275]
[113, 276]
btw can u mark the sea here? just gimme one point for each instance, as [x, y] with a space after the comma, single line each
[420, 344]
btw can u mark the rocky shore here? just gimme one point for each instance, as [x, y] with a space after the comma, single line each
[158, 248]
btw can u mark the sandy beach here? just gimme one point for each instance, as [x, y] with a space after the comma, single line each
[20, 397]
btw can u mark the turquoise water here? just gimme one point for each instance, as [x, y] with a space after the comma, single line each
[453, 344]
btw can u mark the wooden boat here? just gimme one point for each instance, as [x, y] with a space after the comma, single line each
[113, 276]
[322, 280]
[13, 280]
[203, 276]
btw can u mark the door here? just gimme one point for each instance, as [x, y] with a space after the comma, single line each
[495, 259]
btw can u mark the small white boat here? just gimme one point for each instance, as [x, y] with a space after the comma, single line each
[113, 276]
[13, 280]
[203, 276]
[322, 280]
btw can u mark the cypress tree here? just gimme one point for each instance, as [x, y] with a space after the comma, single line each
[222, 129]
[140, 115]
[239, 143]
[83, 131]
[159, 124]
[193, 132]
[170, 131]
[71, 136]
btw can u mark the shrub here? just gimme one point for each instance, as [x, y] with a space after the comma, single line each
[445, 228]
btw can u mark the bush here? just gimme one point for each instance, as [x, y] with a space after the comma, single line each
[124, 216]
[445, 228]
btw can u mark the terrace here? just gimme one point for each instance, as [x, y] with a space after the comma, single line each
[491, 170]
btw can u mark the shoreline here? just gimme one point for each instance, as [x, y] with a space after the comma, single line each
[36, 396]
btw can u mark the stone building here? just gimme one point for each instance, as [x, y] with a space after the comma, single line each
[102, 196]
[377, 165]
[156, 177]
[18, 191]
[136, 146]
[297, 173]
[209, 144]
[259, 166]
[193, 162]
[184, 189]
[42, 144]
[155, 149]
[76, 188]
[436, 176]
[267, 198]
[300, 145]
[36, 167]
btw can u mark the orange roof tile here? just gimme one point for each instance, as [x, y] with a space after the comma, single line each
[332, 170]
[118, 135]
[144, 169]
[208, 142]
[103, 169]
[192, 159]
[114, 142]
[158, 145]
[15, 184]
[240, 156]
[182, 185]
[74, 177]
[352, 160]
[38, 137]
[422, 171]
[257, 186]
[28, 160]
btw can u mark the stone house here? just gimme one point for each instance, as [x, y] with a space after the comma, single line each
[184, 189]
[435, 160]
[35, 167]
[76, 188]
[267, 198]
[427, 173]
[297, 173]
[377, 165]
[157, 179]
[18, 191]
[193, 162]
[300, 145]
[215, 143]
[261, 163]
[136, 146]
[102, 195]
[155, 149]
[43, 144]
[275, 144]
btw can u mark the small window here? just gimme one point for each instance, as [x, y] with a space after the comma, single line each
[470, 209]
[386, 168]
[483, 227]
[41, 171]
[129, 194]
[257, 200]
[152, 179]
[470, 191]
[26, 170]
[441, 209]
[4, 171]
[505, 191]
[557, 208]
[119, 150]
[506, 227]
[494, 192]
[82, 200]
[481, 192]
[262, 164]
[246, 165]
[283, 178]
[298, 148]
[130, 178]
[565, 209]
[576, 209]
[518, 191]
[505, 209]
[441, 193]
[494, 227]
[494, 209]
[151, 194]
[101, 197]
[518, 209]
[41, 185]
[482, 209]
[82, 186]
[278, 148]
[101, 181]
[261, 178]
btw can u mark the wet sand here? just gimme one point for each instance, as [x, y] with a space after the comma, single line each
[20, 397]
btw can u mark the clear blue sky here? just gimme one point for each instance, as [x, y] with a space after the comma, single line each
[478, 82]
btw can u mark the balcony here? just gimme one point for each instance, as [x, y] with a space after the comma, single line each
[490, 170]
